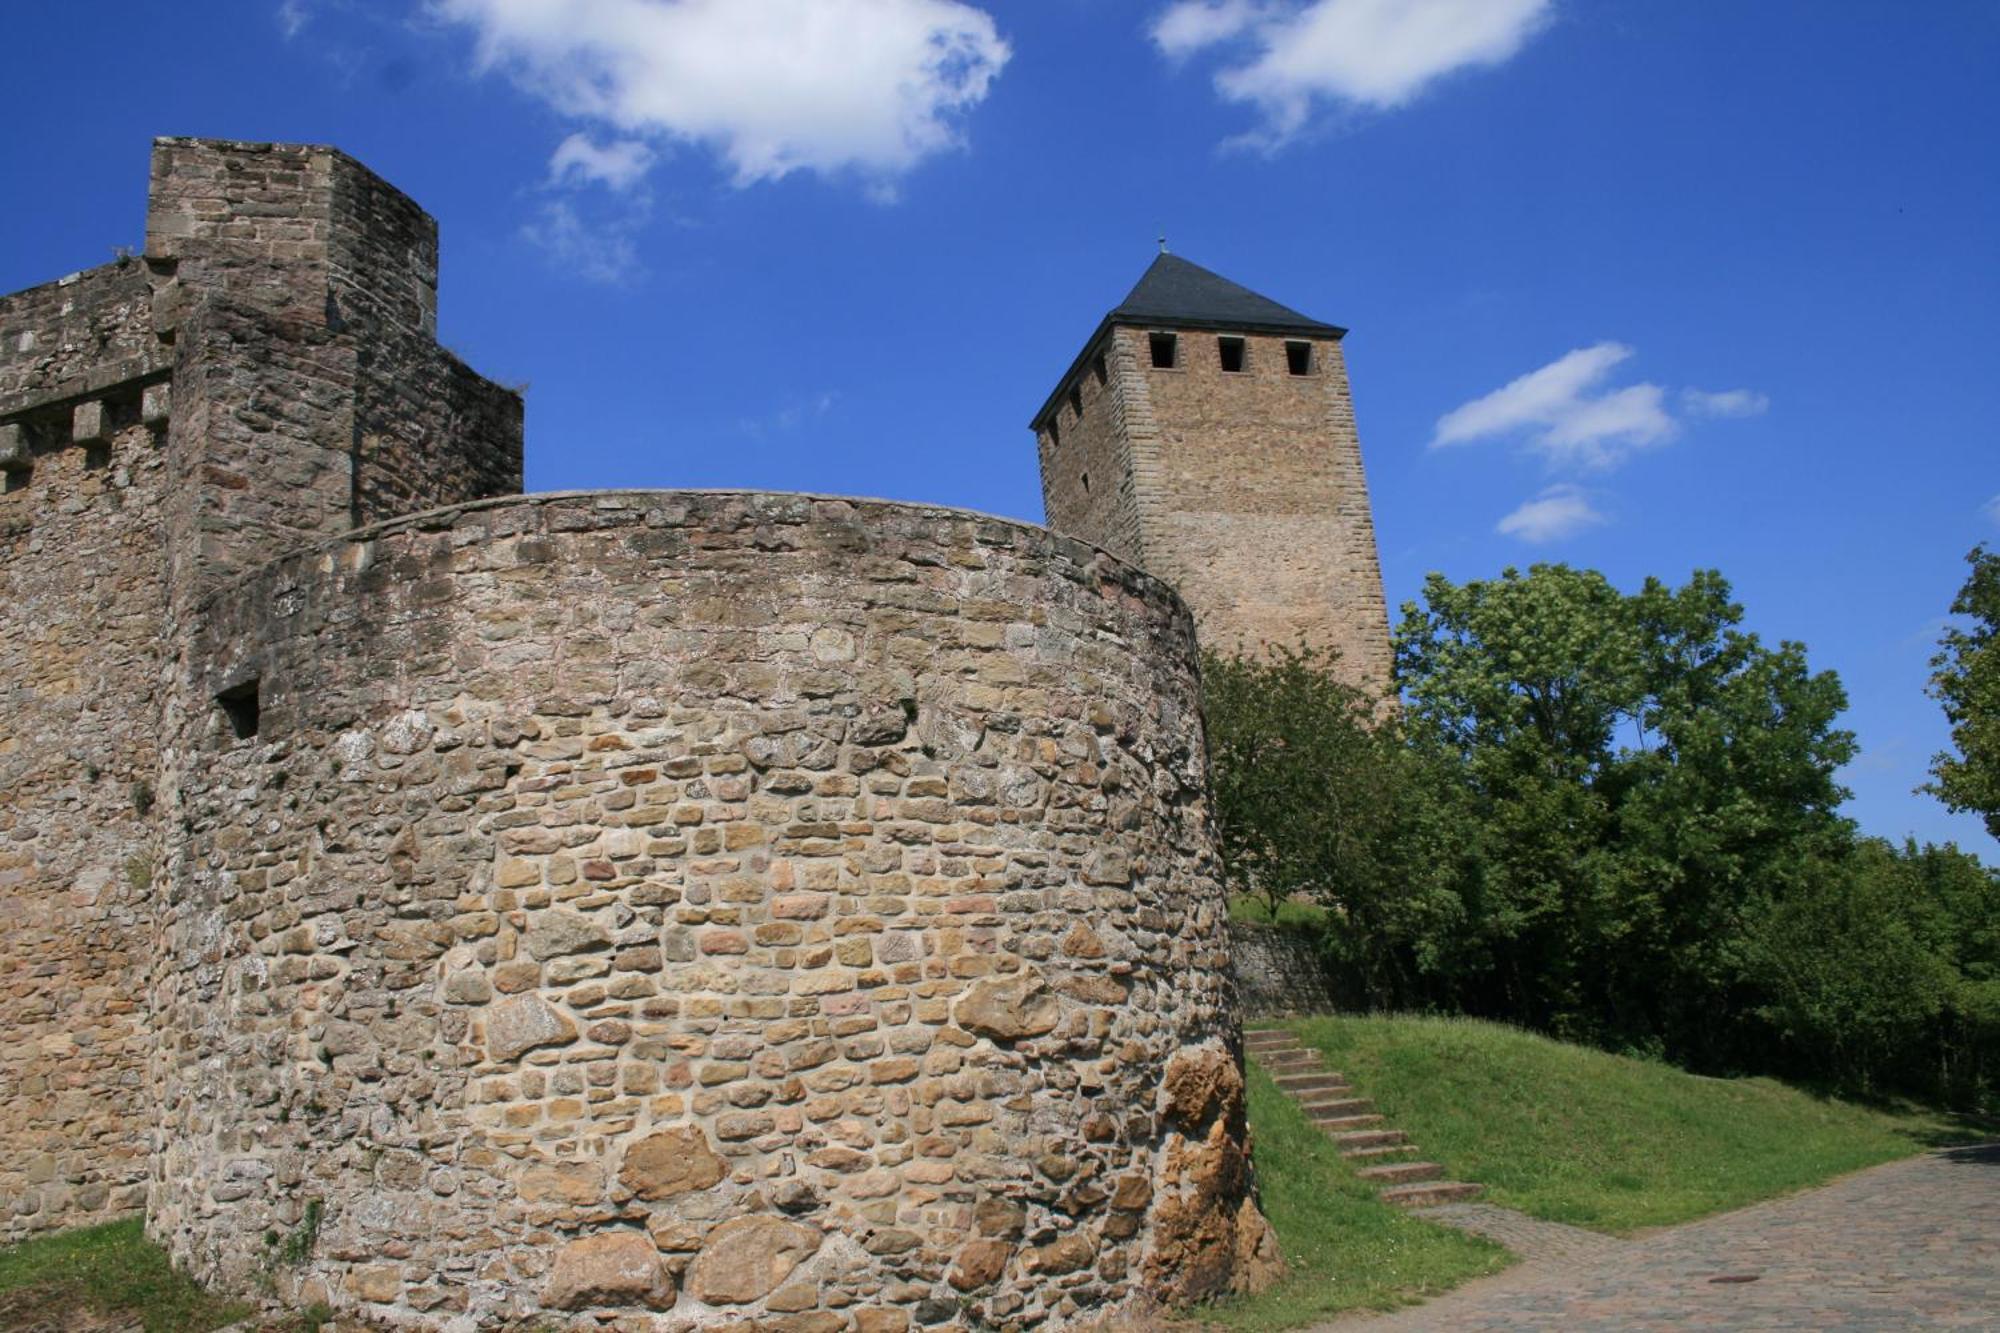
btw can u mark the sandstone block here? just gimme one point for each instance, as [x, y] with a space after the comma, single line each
[519, 1025]
[746, 1258]
[1009, 1009]
[611, 1268]
[559, 932]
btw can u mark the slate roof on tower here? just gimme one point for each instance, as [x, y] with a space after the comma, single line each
[1174, 293]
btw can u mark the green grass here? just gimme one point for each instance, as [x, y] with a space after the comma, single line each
[1602, 1141]
[1246, 909]
[1346, 1249]
[106, 1271]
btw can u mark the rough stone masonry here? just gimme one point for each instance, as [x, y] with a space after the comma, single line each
[660, 910]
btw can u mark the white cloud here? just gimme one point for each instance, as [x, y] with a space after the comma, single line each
[1372, 53]
[864, 87]
[1992, 509]
[1570, 424]
[618, 165]
[602, 252]
[1724, 403]
[1557, 512]
[292, 18]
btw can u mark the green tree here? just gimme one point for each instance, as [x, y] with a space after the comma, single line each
[1966, 680]
[1316, 794]
[1639, 775]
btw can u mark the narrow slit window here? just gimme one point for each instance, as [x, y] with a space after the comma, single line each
[1099, 369]
[1055, 432]
[1299, 358]
[239, 705]
[1076, 401]
[1166, 350]
[1231, 350]
[1086, 483]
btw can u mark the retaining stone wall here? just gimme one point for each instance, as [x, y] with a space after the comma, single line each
[1278, 972]
[700, 907]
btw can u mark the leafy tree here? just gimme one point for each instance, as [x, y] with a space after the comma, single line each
[1966, 680]
[1641, 774]
[1317, 795]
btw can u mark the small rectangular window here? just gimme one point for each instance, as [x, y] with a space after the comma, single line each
[1166, 350]
[1099, 369]
[1055, 433]
[239, 705]
[1076, 401]
[1231, 350]
[1299, 358]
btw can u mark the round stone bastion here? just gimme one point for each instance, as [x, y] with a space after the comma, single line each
[675, 910]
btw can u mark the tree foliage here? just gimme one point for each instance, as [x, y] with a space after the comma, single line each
[1613, 817]
[1966, 680]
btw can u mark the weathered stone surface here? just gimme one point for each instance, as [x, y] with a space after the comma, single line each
[518, 1025]
[612, 1268]
[426, 884]
[557, 932]
[980, 1263]
[1008, 1010]
[670, 1163]
[747, 1258]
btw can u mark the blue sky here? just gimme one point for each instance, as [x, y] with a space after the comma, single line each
[1640, 286]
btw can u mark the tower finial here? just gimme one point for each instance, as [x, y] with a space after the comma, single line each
[1163, 240]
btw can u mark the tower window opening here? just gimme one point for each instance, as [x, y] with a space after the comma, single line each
[1086, 483]
[1231, 350]
[1299, 358]
[1099, 369]
[239, 704]
[1076, 401]
[1055, 432]
[1166, 350]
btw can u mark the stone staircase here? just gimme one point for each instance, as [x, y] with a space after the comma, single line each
[1353, 1124]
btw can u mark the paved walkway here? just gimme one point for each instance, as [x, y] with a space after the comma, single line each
[1914, 1244]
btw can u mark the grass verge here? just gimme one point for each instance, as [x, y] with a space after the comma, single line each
[106, 1275]
[1346, 1249]
[1603, 1141]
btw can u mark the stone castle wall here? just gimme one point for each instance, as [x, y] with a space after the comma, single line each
[715, 904]
[82, 454]
[1244, 489]
[263, 376]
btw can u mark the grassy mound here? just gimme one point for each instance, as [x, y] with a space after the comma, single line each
[104, 1277]
[1346, 1249]
[1602, 1141]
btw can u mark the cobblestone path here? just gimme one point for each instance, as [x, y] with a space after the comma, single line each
[1914, 1244]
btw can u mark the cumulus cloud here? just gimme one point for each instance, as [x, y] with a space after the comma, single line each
[862, 87]
[1725, 403]
[1289, 56]
[618, 165]
[1557, 512]
[1565, 416]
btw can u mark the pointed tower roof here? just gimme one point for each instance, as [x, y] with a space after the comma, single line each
[1175, 291]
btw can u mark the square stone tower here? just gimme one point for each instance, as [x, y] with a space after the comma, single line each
[1206, 433]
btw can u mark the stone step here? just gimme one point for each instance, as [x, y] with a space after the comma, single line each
[1321, 1103]
[1263, 1037]
[1369, 1138]
[1300, 1084]
[1380, 1150]
[1429, 1192]
[1284, 1060]
[1339, 1124]
[1400, 1173]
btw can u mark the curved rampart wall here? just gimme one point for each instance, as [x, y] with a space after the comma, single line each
[722, 906]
